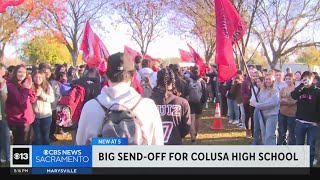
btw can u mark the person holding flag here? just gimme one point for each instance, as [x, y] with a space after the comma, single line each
[95, 53]
[230, 29]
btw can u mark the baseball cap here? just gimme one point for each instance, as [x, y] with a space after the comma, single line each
[119, 62]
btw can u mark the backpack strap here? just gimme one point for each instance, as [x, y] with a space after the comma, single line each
[104, 108]
[136, 104]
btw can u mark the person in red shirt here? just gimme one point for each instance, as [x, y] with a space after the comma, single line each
[19, 110]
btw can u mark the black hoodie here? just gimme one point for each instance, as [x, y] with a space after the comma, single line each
[308, 103]
[175, 116]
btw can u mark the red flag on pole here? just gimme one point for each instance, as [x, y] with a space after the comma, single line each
[198, 61]
[185, 56]
[131, 52]
[5, 3]
[230, 29]
[147, 56]
[95, 53]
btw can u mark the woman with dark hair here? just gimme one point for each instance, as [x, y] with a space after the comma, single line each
[197, 98]
[19, 110]
[174, 110]
[71, 75]
[181, 84]
[42, 108]
[59, 68]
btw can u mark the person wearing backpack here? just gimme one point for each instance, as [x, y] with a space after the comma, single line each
[90, 81]
[174, 110]
[120, 109]
[147, 78]
[42, 109]
[197, 98]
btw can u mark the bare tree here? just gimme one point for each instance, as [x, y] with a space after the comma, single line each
[248, 12]
[145, 18]
[282, 27]
[67, 22]
[196, 19]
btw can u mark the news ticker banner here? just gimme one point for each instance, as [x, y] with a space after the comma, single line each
[85, 159]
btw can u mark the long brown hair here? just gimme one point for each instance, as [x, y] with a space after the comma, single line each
[44, 85]
[14, 78]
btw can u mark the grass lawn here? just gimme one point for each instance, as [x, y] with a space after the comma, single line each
[231, 135]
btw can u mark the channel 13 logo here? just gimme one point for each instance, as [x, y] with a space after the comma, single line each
[21, 156]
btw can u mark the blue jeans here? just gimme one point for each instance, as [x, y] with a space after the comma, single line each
[256, 131]
[4, 140]
[41, 128]
[233, 109]
[287, 123]
[303, 129]
[268, 130]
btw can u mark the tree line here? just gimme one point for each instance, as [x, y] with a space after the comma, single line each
[52, 29]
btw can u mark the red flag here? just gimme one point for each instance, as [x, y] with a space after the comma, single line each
[5, 3]
[230, 29]
[185, 56]
[147, 56]
[132, 53]
[198, 61]
[95, 53]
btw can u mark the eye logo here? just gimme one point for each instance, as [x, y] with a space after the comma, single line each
[16, 156]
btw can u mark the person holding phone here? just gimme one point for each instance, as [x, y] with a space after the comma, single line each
[19, 102]
[308, 112]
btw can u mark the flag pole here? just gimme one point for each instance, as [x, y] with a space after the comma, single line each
[251, 84]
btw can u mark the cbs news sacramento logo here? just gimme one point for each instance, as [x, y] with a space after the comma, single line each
[21, 159]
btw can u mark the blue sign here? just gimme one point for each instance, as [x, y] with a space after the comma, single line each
[61, 156]
[109, 141]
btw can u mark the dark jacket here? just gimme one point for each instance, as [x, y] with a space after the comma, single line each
[91, 85]
[235, 91]
[246, 90]
[175, 116]
[182, 86]
[229, 94]
[19, 105]
[308, 103]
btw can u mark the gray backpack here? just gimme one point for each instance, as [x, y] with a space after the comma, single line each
[195, 91]
[121, 122]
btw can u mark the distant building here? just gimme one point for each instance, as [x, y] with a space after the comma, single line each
[294, 67]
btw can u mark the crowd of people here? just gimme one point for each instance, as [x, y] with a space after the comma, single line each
[275, 108]
[165, 103]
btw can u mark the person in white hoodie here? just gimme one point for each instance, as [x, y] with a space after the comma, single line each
[42, 109]
[147, 71]
[120, 73]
